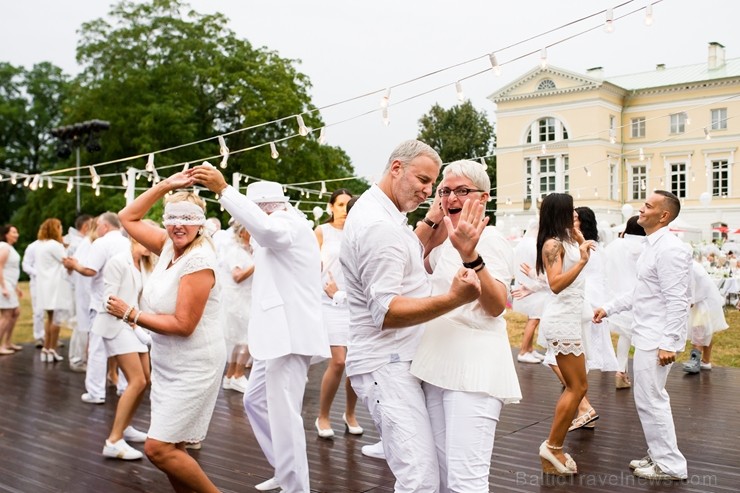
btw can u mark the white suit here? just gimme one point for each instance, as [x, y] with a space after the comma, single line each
[285, 330]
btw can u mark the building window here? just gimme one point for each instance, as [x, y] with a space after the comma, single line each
[547, 129]
[638, 182]
[613, 182]
[548, 175]
[528, 178]
[566, 174]
[638, 127]
[546, 85]
[678, 179]
[719, 119]
[720, 178]
[678, 123]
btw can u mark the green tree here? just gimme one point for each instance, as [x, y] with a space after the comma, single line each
[31, 104]
[460, 132]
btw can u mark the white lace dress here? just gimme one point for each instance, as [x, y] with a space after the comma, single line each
[11, 272]
[567, 315]
[186, 371]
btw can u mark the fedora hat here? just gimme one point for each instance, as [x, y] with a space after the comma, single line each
[266, 191]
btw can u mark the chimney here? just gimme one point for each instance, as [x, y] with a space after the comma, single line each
[716, 56]
[660, 66]
[596, 72]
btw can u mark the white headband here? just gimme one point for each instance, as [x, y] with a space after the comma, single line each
[183, 213]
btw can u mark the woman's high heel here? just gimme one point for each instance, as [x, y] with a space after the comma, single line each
[328, 433]
[45, 355]
[551, 464]
[53, 356]
[352, 430]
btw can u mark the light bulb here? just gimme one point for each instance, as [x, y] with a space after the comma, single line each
[14, 178]
[150, 163]
[124, 180]
[649, 13]
[609, 24]
[49, 183]
[459, 90]
[302, 129]
[543, 58]
[543, 148]
[322, 135]
[386, 118]
[97, 191]
[707, 134]
[642, 154]
[70, 184]
[494, 64]
[27, 180]
[386, 98]
[224, 151]
[273, 151]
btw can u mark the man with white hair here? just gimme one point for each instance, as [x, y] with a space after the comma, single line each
[390, 299]
[285, 325]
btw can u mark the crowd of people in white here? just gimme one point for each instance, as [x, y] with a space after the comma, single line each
[414, 315]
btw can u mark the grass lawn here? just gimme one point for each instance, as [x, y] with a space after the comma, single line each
[725, 351]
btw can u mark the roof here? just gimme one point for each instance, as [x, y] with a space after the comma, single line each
[676, 75]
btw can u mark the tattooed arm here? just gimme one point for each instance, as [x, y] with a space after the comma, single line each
[552, 256]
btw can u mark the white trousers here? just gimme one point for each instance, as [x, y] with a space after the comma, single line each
[654, 408]
[623, 352]
[397, 405]
[97, 366]
[273, 402]
[464, 426]
[38, 314]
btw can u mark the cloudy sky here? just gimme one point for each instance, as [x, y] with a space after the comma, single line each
[350, 48]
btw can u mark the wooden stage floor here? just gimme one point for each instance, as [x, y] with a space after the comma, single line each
[50, 441]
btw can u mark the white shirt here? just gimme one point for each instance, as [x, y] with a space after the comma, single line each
[28, 264]
[660, 302]
[102, 250]
[382, 259]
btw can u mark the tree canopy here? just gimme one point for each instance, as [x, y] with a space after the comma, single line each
[163, 76]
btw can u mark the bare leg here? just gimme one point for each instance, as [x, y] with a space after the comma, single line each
[330, 383]
[135, 367]
[706, 353]
[573, 371]
[242, 356]
[14, 314]
[183, 471]
[5, 318]
[528, 336]
[349, 412]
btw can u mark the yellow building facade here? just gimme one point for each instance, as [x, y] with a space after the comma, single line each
[610, 141]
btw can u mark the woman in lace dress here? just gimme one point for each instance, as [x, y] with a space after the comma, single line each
[562, 253]
[180, 307]
[10, 270]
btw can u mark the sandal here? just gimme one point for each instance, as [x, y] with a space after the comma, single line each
[584, 420]
[551, 464]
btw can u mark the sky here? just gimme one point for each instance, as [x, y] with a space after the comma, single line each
[350, 48]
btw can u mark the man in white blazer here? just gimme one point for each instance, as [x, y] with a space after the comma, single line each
[285, 325]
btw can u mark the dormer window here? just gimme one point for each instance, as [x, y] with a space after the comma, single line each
[546, 85]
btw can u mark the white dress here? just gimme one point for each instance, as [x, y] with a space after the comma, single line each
[600, 350]
[186, 371]
[335, 311]
[52, 290]
[567, 316]
[11, 273]
[236, 297]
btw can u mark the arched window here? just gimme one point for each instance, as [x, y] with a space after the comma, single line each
[547, 130]
[546, 85]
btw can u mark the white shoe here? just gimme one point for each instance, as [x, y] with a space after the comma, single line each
[86, 397]
[226, 383]
[193, 445]
[538, 355]
[654, 472]
[131, 434]
[121, 450]
[270, 484]
[326, 433]
[641, 463]
[239, 384]
[352, 430]
[375, 450]
[527, 358]
[705, 366]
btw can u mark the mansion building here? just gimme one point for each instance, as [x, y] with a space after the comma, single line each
[610, 141]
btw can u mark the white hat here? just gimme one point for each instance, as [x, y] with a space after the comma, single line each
[266, 191]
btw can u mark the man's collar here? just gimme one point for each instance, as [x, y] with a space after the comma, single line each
[397, 216]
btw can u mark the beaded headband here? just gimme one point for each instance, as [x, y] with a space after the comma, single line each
[183, 213]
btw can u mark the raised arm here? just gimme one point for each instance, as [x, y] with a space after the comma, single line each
[552, 255]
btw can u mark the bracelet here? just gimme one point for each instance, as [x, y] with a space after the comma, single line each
[430, 223]
[125, 315]
[480, 267]
[475, 263]
[136, 318]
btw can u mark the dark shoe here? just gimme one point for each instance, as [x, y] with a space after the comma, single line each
[693, 365]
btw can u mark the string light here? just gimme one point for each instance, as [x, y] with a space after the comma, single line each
[224, 151]
[124, 180]
[609, 24]
[543, 58]
[386, 98]
[693, 176]
[27, 181]
[49, 184]
[588, 171]
[649, 13]
[483, 162]
[641, 155]
[150, 163]
[459, 90]
[70, 185]
[35, 182]
[543, 148]
[322, 135]
[494, 64]
[95, 177]
[186, 167]
[707, 135]
[596, 192]
[323, 189]
[97, 191]
[155, 176]
[643, 184]
[686, 118]
[14, 178]
[612, 136]
[386, 118]
[273, 151]
[302, 129]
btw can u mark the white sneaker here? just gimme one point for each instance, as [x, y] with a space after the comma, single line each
[226, 383]
[527, 358]
[640, 463]
[705, 366]
[121, 450]
[270, 484]
[654, 472]
[86, 397]
[375, 450]
[131, 434]
[239, 384]
[538, 355]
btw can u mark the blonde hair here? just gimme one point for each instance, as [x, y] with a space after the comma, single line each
[92, 233]
[202, 238]
[147, 262]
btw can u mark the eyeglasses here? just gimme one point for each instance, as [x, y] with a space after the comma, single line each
[459, 192]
